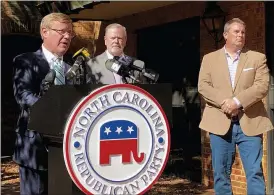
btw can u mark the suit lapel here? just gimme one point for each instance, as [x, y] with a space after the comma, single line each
[109, 77]
[42, 63]
[45, 66]
[224, 67]
[241, 64]
[66, 67]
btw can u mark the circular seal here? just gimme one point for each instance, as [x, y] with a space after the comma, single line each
[116, 141]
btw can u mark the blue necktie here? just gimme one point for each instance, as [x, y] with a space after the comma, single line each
[60, 76]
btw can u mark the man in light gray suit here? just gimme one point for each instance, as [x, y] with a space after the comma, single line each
[115, 41]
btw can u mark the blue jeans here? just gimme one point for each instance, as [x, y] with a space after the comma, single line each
[223, 155]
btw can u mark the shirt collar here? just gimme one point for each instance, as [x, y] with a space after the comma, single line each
[50, 56]
[228, 55]
[110, 56]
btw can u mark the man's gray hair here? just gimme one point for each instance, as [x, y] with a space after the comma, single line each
[48, 19]
[233, 20]
[115, 25]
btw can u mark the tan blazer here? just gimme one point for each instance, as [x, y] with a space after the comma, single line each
[251, 86]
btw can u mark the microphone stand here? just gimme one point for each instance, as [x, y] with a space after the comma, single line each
[124, 79]
[84, 73]
[81, 74]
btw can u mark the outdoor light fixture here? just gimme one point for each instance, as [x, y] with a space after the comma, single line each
[214, 20]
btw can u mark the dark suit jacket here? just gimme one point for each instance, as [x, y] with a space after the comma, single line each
[29, 71]
[99, 74]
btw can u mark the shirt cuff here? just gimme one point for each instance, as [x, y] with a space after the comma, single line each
[237, 102]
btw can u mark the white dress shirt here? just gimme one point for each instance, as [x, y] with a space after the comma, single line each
[50, 57]
[232, 67]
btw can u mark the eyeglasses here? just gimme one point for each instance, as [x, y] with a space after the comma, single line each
[63, 32]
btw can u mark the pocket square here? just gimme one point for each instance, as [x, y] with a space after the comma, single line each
[247, 69]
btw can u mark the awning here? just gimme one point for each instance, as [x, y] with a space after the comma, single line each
[98, 10]
[116, 9]
[67, 7]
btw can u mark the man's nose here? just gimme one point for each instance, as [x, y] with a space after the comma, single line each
[66, 36]
[241, 34]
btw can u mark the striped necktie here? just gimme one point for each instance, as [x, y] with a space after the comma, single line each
[60, 76]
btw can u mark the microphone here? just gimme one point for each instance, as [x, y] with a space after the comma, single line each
[151, 75]
[80, 57]
[137, 65]
[49, 78]
[119, 68]
[48, 81]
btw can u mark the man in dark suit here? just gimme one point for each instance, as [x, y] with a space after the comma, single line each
[115, 41]
[30, 70]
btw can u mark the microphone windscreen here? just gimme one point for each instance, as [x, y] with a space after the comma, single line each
[139, 64]
[112, 65]
[83, 51]
[50, 76]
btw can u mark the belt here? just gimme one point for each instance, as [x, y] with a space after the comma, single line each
[235, 119]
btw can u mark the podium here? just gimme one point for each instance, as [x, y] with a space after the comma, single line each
[49, 115]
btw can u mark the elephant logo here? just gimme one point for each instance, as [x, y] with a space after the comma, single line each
[119, 137]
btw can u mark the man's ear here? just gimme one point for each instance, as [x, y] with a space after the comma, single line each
[225, 36]
[105, 40]
[44, 32]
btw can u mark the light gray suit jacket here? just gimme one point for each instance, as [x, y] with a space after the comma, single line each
[99, 74]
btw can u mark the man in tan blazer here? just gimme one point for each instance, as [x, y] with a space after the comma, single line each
[233, 81]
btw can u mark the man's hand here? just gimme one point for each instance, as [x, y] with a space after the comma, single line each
[230, 107]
